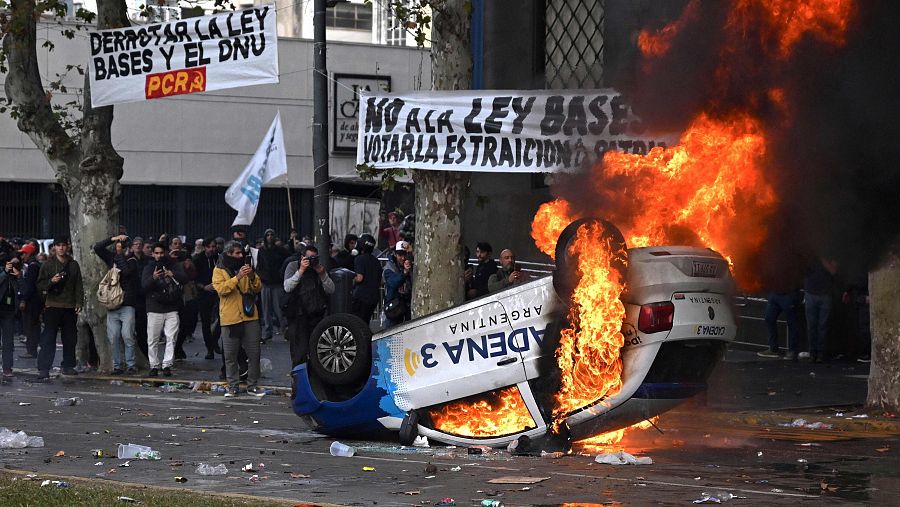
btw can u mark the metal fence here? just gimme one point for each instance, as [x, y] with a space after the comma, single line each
[574, 43]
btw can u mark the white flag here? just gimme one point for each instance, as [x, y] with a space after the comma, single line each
[269, 162]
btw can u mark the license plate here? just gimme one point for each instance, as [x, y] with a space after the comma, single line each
[705, 269]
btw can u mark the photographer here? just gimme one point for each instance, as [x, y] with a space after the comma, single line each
[9, 282]
[397, 276]
[30, 303]
[61, 283]
[237, 285]
[307, 285]
[508, 274]
[162, 281]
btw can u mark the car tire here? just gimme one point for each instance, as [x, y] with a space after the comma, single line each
[565, 279]
[409, 428]
[340, 349]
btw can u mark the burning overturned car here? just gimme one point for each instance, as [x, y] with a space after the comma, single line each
[615, 336]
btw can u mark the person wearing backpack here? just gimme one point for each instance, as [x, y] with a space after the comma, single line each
[307, 285]
[62, 286]
[162, 282]
[119, 297]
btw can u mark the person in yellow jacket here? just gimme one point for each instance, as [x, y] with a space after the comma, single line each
[233, 279]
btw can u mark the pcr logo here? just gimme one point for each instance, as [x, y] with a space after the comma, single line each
[411, 361]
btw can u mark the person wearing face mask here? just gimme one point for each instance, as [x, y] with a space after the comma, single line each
[344, 258]
[237, 284]
[207, 300]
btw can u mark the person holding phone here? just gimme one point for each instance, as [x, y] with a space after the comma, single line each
[62, 286]
[508, 274]
[162, 281]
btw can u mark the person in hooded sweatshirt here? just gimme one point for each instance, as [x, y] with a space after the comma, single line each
[163, 302]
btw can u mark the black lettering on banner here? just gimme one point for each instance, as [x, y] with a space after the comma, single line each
[96, 45]
[522, 112]
[193, 55]
[499, 110]
[619, 116]
[595, 106]
[167, 56]
[506, 154]
[577, 120]
[554, 115]
[428, 128]
[431, 155]
[261, 17]
[469, 122]
[99, 68]
[406, 147]
[181, 30]
[461, 149]
[443, 121]
[412, 120]
[526, 155]
[490, 146]
[382, 114]
[448, 150]
[240, 48]
[476, 144]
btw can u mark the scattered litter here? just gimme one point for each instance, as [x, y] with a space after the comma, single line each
[368, 469]
[421, 441]
[759, 454]
[207, 469]
[707, 499]
[174, 417]
[478, 449]
[126, 499]
[169, 388]
[254, 478]
[116, 383]
[343, 450]
[517, 479]
[552, 455]
[126, 464]
[802, 460]
[839, 414]
[487, 502]
[299, 476]
[802, 423]
[827, 487]
[860, 416]
[446, 501]
[249, 468]
[60, 454]
[18, 440]
[67, 402]
[24, 404]
[456, 469]
[430, 468]
[180, 479]
[622, 458]
[809, 444]
[217, 388]
[58, 484]
[98, 464]
[410, 493]
[97, 453]
[883, 449]
[776, 490]
[130, 451]
[255, 422]
[265, 365]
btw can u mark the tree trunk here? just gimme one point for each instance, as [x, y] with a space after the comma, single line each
[439, 194]
[884, 372]
[88, 168]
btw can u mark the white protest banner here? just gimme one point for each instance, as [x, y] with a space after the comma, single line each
[192, 55]
[498, 131]
[269, 162]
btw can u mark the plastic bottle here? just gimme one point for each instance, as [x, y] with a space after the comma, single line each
[487, 502]
[67, 402]
[207, 469]
[153, 455]
[343, 450]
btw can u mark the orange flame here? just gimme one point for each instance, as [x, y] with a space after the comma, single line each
[549, 221]
[502, 412]
[788, 21]
[608, 441]
[588, 352]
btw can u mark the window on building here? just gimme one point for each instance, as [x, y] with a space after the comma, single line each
[395, 31]
[349, 16]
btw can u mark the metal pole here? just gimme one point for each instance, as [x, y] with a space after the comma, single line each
[320, 131]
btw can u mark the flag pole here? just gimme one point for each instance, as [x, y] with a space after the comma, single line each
[287, 186]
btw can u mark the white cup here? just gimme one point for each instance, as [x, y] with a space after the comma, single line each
[343, 450]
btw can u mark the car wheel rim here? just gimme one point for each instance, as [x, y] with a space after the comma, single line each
[336, 349]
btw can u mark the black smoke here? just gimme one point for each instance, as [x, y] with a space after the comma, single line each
[835, 162]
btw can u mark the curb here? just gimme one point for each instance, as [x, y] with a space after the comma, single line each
[159, 381]
[879, 426]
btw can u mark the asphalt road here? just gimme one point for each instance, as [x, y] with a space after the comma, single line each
[696, 453]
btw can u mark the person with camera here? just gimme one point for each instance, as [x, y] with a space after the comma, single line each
[307, 285]
[29, 300]
[120, 321]
[397, 276]
[238, 285]
[508, 274]
[162, 281]
[9, 286]
[207, 300]
[61, 283]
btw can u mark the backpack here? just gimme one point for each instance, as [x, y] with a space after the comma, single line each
[110, 294]
[172, 292]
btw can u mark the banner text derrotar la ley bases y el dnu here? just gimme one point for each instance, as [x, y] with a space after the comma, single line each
[504, 131]
[185, 56]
